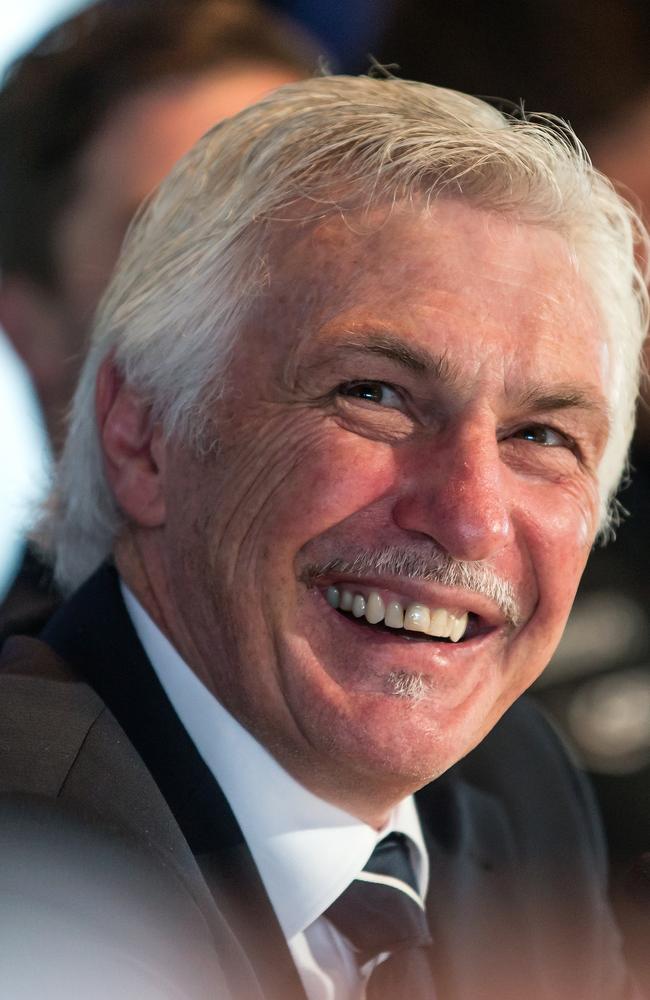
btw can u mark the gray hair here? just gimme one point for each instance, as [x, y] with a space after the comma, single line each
[198, 255]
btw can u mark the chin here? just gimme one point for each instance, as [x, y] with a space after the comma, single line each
[404, 738]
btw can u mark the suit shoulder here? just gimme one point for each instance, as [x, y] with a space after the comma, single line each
[525, 765]
[46, 713]
[523, 741]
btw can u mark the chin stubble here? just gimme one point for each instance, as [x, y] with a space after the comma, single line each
[409, 687]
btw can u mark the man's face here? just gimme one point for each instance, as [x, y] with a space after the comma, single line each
[434, 388]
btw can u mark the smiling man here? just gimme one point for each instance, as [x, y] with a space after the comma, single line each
[358, 401]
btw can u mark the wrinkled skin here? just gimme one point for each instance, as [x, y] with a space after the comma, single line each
[487, 370]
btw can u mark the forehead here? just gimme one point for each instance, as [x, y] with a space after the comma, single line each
[452, 278]
[467, 250]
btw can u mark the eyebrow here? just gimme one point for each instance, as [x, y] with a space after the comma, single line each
[414, 359]
[565, 396]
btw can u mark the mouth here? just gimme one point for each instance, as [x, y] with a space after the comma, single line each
[409, 620]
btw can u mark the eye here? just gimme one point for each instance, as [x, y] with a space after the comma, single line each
[545, 436]
[379, 393]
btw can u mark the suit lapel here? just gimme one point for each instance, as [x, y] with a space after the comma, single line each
[94, 634]
[235, 882]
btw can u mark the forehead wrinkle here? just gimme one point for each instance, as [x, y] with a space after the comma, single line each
[529, 291]
[527, 264]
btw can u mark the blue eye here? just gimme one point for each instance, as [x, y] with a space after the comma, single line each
[379, 393]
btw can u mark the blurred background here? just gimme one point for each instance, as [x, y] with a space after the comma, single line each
[96, 113]
[24, 448]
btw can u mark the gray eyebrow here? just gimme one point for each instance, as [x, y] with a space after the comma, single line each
[415, 359]
[563, 397]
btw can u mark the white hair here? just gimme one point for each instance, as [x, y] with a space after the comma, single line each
[200, 253]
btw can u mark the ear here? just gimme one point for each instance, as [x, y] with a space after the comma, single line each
[133, 446]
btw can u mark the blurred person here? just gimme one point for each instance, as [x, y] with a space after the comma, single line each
[91, 119]
[358, 399]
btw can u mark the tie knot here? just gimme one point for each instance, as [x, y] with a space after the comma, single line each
[381, 910]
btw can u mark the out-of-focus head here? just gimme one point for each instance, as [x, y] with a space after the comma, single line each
[375, 342]
[91, 120]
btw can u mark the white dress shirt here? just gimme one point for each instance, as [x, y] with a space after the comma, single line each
[306, 850]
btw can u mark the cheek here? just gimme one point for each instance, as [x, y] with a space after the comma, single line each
[340, 475]
[560, 527]
[291, 482]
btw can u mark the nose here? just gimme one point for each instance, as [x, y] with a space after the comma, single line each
[455, 492]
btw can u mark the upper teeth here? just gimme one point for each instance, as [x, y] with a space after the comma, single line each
[394, 614]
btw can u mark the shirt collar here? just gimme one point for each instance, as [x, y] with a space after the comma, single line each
[306, 850]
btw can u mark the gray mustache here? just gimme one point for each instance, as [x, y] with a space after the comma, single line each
[431, 566]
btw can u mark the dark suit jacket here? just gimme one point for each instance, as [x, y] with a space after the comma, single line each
[517, 889]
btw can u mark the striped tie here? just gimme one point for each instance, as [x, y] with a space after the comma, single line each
[381, 911]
